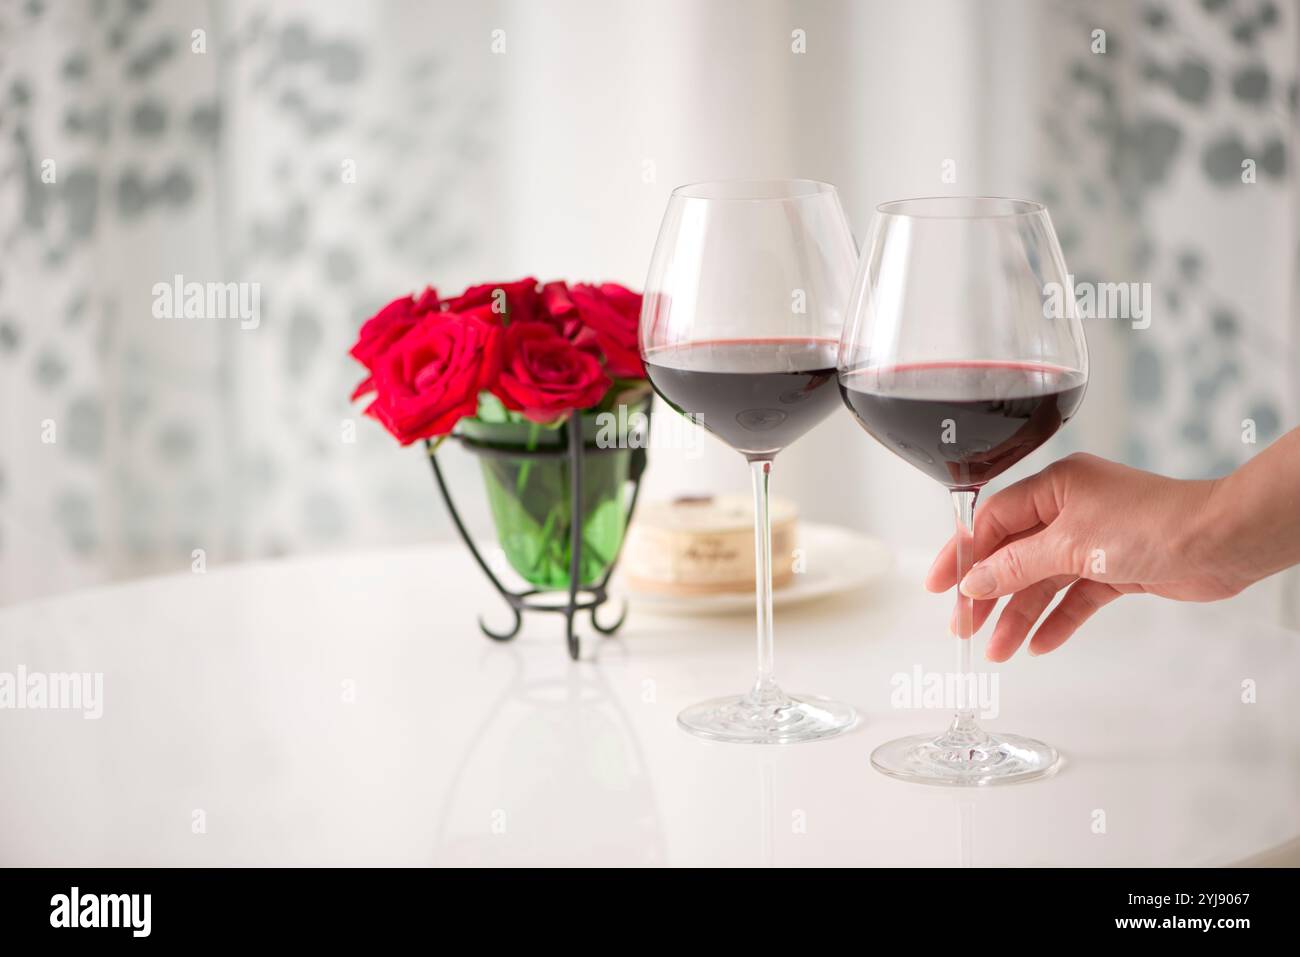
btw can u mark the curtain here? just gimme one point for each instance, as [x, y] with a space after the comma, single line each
[330, 156]
[333, 155]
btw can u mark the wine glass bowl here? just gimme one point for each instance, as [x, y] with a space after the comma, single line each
[740, 329]
[962, 354]
[995, 413]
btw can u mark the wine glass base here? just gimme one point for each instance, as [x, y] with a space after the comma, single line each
[771, 719]
[995, 759]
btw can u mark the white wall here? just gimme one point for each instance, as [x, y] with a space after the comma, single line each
[714, 91]
[553, 157]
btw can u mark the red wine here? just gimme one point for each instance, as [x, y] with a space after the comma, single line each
[963, 423]
[757, 395]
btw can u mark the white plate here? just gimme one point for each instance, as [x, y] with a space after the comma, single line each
[838, 560]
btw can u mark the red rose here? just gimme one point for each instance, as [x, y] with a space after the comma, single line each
[558, 309]
[543, 375]
[627, 302]
[521, 299]
[386, 327]
[430, 378]
[609, 316]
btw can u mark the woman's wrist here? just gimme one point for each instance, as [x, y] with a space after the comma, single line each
[1256, 521]
[1217, 537]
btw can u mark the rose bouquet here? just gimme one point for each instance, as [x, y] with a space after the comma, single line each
[504, 366]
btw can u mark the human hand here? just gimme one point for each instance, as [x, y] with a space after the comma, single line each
[1099, 530]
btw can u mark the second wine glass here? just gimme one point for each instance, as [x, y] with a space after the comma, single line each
[963, 354]
[743, 309]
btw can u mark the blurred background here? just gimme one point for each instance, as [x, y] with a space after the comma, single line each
[340, 154]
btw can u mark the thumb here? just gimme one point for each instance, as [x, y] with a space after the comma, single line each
[1019, 564]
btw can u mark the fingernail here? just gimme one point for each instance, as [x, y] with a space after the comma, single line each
[978, 583]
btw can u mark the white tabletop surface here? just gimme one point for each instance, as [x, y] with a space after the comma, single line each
[345, 710]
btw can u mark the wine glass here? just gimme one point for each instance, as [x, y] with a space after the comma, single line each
[963, 353]
[739, 330]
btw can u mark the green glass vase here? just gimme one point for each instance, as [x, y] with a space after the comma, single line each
[531, 497]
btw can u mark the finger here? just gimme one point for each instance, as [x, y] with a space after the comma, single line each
[1019, 564]
[943, 573]
[1020, 615]
[980, 611]
[1080, 603]
[1018, 508]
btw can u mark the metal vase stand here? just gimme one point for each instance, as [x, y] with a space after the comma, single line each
[579, 598]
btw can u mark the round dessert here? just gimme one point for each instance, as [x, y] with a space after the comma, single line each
[704, 545]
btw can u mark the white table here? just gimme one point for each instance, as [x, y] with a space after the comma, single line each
[345, 710]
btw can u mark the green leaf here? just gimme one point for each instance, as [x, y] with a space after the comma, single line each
[491, 409]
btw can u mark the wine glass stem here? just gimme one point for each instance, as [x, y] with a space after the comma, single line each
[963, 501]
[761, 469]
